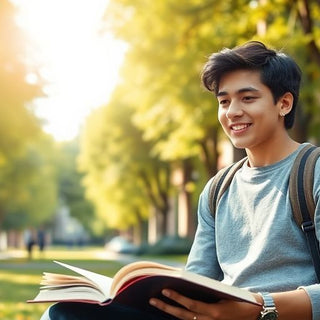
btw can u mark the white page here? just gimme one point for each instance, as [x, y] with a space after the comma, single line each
[67, 294]
[102, 282]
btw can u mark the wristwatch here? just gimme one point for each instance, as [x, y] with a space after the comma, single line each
[269, 311]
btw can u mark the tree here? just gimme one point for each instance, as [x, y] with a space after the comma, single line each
[71, 191]
[161, 73]
[169, 42]
[122, 176]
[20, 130]
[28, 186]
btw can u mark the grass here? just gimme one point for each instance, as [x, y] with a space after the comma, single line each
[20, 276]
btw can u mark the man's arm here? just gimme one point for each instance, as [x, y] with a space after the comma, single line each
[202, 258]
[291, 305]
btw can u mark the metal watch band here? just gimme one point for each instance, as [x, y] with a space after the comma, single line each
[267, 300]
[269, 311]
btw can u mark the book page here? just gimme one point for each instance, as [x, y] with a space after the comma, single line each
[77, 293]
[54, 280]
[102, 282]
[138, 266]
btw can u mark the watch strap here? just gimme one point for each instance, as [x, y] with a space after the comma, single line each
[269, 310]
[268, 301]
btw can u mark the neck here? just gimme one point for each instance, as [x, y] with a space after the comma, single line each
[267, 155]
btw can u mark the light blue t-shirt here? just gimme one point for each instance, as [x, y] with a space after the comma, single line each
[254, 242]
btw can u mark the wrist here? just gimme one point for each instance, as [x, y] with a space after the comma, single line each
[269, 310]
[259, 299]
[259, 308]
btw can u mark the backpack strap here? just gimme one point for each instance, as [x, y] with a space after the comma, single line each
[300, 194]
[221, 182]
[301, 198]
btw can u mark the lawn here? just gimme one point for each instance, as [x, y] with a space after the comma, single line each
[20, 277]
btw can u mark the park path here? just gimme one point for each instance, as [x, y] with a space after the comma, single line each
[7, 260]
[127, 258]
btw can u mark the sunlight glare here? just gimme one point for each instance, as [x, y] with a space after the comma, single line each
[79, 61]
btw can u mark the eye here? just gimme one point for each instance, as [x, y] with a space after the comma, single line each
[248, 98]
[223, 102]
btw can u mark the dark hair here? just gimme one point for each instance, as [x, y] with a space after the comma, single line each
[279, 72]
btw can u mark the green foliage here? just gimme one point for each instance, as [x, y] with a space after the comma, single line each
[27, 188]
[17, 123]
[123, 178]
[169, 42]
[162, 73]
[71, 190]
[160, 113]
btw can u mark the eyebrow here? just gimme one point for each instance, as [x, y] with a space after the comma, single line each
[242, 90]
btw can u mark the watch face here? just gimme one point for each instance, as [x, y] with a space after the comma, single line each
[271, 315]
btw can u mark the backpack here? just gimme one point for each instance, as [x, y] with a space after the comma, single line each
[300, 194]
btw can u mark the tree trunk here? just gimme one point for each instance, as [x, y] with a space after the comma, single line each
[238, 154]
[209, 154]
[300, 129]
[186, 216]
[305, 17]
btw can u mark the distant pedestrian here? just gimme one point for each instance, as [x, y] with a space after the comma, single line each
[41, 239]
[30, 240]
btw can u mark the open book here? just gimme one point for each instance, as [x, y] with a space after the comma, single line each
[133, 285]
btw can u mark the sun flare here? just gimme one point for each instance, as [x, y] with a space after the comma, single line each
[78, 61]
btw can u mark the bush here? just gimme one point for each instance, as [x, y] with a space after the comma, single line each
[167, 245]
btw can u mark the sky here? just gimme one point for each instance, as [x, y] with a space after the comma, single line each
[79, 63]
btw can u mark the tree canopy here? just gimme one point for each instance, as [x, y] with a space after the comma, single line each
[24, 148]
[123, 178]
[161, 98]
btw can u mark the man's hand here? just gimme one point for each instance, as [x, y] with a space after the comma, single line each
[197, 310]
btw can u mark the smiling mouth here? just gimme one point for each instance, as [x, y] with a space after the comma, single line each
[240, 127]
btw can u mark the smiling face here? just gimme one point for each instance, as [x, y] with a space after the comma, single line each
[247, 111]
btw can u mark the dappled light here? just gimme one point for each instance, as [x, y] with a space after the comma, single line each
[19, 279]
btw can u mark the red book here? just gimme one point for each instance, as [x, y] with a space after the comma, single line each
[133, 285]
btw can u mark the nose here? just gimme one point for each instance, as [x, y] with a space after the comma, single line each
[234, 110]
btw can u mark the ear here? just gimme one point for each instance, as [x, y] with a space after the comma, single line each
[285, 103]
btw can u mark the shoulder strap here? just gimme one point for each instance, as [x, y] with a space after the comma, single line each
[301, 198]
[301, 184]
[221, 182]
[300, 194]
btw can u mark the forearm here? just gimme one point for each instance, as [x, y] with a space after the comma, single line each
[292, 305]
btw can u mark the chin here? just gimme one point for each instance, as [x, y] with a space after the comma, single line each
[239, 145]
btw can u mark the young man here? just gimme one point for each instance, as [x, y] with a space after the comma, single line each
[252, 241]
